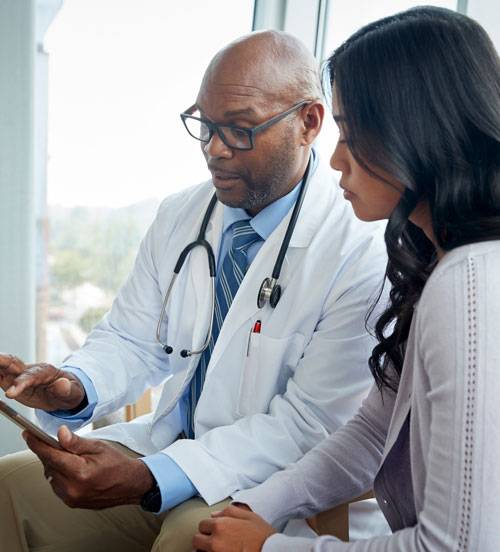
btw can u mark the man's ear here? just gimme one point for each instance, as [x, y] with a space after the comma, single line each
[312, 118]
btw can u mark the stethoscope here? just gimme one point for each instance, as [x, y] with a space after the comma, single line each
[270, 290]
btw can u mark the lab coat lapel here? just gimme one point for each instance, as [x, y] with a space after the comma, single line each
[244, 306]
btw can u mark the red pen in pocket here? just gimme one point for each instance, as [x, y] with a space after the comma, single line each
[256, 329]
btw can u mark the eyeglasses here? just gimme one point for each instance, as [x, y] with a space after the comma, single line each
[233, 136]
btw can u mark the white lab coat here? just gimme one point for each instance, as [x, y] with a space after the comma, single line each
[304, 375]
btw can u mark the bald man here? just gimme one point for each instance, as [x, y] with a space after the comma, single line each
[263, 384]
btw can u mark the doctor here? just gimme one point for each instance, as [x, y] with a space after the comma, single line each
[272, 381]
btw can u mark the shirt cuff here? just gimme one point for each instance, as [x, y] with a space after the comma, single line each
[82, 417]
[175, 486]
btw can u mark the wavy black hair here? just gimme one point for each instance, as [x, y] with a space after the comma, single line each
[420, 95]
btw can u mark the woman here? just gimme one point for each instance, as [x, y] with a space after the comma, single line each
[417, 100]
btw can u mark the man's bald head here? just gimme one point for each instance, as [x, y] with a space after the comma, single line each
[274, 63]
[265, 88]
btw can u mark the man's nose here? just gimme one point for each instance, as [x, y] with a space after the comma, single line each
[215, 148]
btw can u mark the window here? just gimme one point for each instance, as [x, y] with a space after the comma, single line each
[120, 72]
[344, 17]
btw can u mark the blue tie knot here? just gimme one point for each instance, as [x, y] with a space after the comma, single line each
[243, 236]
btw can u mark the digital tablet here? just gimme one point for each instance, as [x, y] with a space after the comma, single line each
[24, 423]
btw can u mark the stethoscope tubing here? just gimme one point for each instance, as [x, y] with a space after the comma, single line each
[291, 225]
[199, 242]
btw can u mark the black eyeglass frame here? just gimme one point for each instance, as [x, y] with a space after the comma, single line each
[250, 132]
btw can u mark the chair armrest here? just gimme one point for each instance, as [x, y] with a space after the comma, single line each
[142, 406]
[335, 521]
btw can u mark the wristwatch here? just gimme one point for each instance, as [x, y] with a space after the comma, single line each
[151, 501]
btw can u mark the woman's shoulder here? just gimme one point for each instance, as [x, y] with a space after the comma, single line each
[463, 271]
[460, 302]
[466, 257]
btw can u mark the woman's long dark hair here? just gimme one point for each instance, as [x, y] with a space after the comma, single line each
[420, 95]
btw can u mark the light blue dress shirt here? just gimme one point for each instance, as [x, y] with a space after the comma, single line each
[174, 484]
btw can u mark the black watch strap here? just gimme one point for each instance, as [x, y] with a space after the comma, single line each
[151, 501]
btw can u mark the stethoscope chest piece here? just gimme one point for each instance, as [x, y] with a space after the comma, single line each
[269, 291]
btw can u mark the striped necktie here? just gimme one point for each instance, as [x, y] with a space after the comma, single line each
[231, 275]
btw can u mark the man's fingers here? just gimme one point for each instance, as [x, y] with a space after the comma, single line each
[11, 362]
[10, 368]
[62, 487]
[60, 388]
[67, 439]
[44, 377]
[31, 377]
[23, 381]
[45, 452]
[76, 444]
[47, 474]
[54, 460]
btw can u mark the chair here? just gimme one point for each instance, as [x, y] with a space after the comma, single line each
[142, 406]
[336, 520]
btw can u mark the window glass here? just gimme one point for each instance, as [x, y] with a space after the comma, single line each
[120, 73]
[345, 17]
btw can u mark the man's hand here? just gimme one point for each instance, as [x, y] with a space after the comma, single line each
[90, 473]
[39, 385]
[234, 529]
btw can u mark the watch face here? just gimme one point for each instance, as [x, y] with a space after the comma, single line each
[151, 502]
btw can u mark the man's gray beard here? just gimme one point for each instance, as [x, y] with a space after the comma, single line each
[258, 198]
[255, 199]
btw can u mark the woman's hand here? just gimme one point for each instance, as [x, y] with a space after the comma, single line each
[234, 529]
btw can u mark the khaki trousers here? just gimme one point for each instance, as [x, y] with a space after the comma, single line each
[34, 519]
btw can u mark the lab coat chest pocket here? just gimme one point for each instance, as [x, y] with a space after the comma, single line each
[269, 364]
